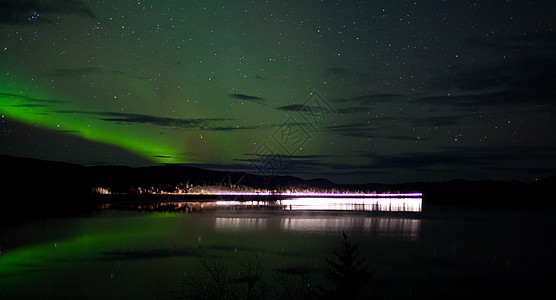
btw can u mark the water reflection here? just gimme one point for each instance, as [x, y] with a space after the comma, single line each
[376, 203]
[382, 226]
[240, 224]
[388, 227]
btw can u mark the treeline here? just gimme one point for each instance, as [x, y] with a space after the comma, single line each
[36, 187]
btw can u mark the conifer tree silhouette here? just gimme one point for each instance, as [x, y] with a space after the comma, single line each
[347, 273]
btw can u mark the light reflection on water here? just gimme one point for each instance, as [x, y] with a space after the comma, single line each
[407, 228]
[382, 226]
[241, 224]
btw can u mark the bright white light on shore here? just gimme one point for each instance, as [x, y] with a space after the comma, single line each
[359, 203]
[353, 204]
[349, 195]
[407, 202]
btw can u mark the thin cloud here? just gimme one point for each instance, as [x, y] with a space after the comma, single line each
[76, 72]
[336, 71]
[493, 99]
[62, 72]
[526, 42]
[247, 97]
[405, 138]
[30, 99]
[375, 98]
[431, 121]
[526, 79]
[359, 104]
[27, 105]
[456, 158]
[306, 108]
[233, 128]
[126, 118]
[159, 121]
[345, 74]
[361, 129]
[205, 124]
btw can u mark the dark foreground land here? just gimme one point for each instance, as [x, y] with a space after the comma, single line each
[44, 188]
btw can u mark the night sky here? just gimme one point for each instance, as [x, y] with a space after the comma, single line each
[353, 91]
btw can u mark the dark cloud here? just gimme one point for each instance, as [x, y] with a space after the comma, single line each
[77, 72]
[258, 157]
[33, 11]
[276, 163]
[345, 74]
[126, 118]
[126, 74]
[522, 71]
[17, 97]
[363, 103]
[431, 121]
[493, 99]
[200, 124]
[337, 71]
[511, 81]
[233, 128]
[405, 138]
[360, 129]
[61, 72]
[352, 110]
[527, 42]
[246, 97]
[27, 105]
[466, 157]
[375, 98]
[380, 127]
[306, 109]
[159, 121]
[280, 164]
[366, 130]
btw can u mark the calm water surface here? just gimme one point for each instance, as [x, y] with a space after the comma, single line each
[450, 253]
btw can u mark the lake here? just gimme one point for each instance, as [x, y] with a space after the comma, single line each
[441, 252]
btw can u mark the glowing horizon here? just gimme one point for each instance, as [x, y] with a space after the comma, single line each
[401, 202]
[305, 194]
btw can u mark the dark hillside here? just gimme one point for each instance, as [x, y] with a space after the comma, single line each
[35, 187]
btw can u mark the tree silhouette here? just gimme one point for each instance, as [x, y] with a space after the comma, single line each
[347, 273]
[214, 282]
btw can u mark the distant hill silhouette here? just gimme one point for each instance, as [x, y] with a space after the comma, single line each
[35, 186]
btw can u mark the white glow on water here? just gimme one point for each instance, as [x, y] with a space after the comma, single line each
[238, 224]
[387, 227]
[405, 228]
